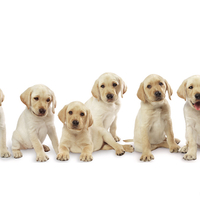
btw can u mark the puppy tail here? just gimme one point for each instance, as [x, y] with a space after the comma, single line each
[128, 140]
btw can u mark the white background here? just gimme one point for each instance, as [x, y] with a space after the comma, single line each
[67, 45]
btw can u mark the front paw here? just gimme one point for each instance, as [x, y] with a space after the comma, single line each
[17, 153]
[183, 149]
[116, 138]
[120, 150]
[189, 156]
[63, 156]
[42, 157]
[128, 148]
[174, 148]
[86, 157]
[147, 157]
[5, 154]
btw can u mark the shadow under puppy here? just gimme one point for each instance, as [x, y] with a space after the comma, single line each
[35, 122]
[189, 90]
[80, 136]
[3, 149]
[153, 122]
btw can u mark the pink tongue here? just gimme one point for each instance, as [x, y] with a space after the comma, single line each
[197, 106]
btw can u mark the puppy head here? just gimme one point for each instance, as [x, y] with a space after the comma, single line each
[1, 97]
[38, 99]
[76, 116]
[153, 89]
[190, 91]
[107, 87]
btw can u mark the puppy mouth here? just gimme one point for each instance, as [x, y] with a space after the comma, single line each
[196, 105]
[159, 99]
[38, 115]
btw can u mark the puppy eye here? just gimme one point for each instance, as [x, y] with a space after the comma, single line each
[149, 86]
[82, 114]
[191, 87]
[103, 86]
[36, 98]
[48, 100]
[114, 84]
[70, 112]
[160, 83]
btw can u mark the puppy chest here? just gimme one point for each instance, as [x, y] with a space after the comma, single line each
[42, 132]
[108, 121]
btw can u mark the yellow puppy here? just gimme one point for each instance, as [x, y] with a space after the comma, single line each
[80, 136]
[153, 121]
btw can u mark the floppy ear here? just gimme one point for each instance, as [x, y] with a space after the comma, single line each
[1, 97]
[53, 102]
[26, 97]
[169, 89]
[89, 118]
[182, 90]
[62, 114]
[123, 87]
[95, 90]
[140, 93]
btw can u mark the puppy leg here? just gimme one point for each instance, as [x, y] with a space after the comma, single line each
[192, 146]
[173, 146]
[40, 154]
[16, 149]
[127, 148]
[107, 137]
[86, 154]
[164, 144]
[63, 154]
[4, 153]
[53, 137]
[113, 129]
[146, 146]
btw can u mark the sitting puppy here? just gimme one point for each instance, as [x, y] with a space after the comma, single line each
[105, 102]
[79, 136]
[3, 149]
[153, 121]
[35, 122]
[190, 92]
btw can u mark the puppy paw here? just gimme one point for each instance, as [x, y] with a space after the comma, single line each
[147, 157]
[189, 156]
[116, 138]
[128, 148]
[120, 150]
[174, 148]
[42, 157]
[46, 148]
[86, 157]
[17, 154]
[5, 154]
[63, 156]
[183, 149]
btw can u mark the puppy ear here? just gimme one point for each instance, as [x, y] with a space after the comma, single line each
[182, 90]
[26, 97]
[169, 89]
[140, 93]
[1, 97]
[123, 87]
[89, 118]
[53, 102]
[95, 90]
[62, 114]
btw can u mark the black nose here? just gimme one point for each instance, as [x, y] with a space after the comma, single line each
[42, 111]
[75, 123]
[157, 94]
[197, 96]
[109, 96]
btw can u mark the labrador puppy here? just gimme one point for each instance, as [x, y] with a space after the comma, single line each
[3, 149]
[153, 122]
[105, 102]
[35, 122]
[190, 92]
[79, 135]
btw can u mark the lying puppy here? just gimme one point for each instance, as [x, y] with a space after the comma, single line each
[35, 122]
[105, 102]
[3, 149]
[153, 121]
[190, 92]
[79, 136]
